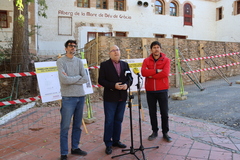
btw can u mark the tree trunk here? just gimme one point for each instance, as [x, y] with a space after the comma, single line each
[20, 49]
[20, 59]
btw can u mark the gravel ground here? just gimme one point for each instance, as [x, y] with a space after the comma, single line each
[218, 103]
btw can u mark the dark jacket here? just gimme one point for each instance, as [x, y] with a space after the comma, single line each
[108, 77]
[159, 81]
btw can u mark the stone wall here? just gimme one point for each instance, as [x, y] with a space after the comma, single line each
[97, 50]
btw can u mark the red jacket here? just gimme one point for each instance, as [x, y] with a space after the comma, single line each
[158, 81]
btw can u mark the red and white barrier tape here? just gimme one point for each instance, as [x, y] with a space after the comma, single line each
[94, 67]
[222, 55]
[17, 74]
[96, 86]
[9, 75]
[211, 68]
[20, 101]
[39, 97]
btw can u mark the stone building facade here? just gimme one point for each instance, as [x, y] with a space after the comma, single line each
[211, 20]
[134, 48]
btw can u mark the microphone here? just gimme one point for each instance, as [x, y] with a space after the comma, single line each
[136, 71]
[128, 75]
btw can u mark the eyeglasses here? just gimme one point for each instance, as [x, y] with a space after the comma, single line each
[75, 46]
[114, 50]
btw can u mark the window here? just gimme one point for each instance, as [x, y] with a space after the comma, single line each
[159, 7]
[219, 13]
[65, 26]
[93, 35]
[101, 4]
[83, 3]
[159, 36]
[238, 7]
[187, 14]
[179, 37]
[121, 34]
[119, 5]
[173, 9]
[3, 19]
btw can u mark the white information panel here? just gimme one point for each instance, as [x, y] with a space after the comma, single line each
[48, 81]
[87, 86]
[136, 63]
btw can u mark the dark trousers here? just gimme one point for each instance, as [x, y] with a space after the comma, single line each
[162, 99]
[114, 112]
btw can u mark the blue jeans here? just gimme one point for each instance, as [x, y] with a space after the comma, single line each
[114, 112]
[71, 107]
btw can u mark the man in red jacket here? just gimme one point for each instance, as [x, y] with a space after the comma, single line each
[155, 69]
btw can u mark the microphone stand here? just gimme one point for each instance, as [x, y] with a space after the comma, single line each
[141, 148]
[132, 150]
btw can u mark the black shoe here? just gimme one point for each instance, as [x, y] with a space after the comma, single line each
[78, 151]
[153, 136]
[108, 150]
[119, 144]
[167, 138]
[63, 157]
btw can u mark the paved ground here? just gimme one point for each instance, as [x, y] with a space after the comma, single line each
[218, 103]
[34, 134]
